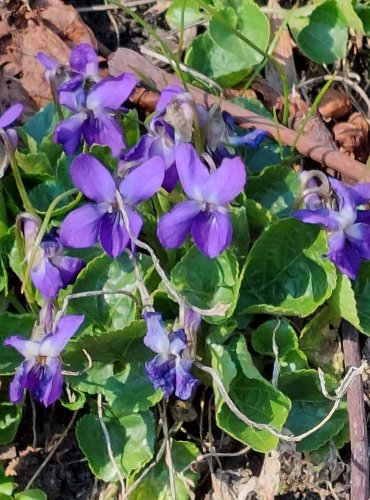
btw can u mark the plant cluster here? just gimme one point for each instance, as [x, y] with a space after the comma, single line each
[175, 258]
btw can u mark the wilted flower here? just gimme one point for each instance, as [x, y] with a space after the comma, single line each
[94, 113]
[206, 215]
[41, 370]
[103, 219]
[348, 228]
[170, 369]
[51, 270]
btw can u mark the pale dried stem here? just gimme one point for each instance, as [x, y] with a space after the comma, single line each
[108, 444]
[346, 383]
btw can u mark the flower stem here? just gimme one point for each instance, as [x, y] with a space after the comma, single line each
[17, 176]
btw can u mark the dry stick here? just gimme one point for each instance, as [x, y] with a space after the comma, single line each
[49, 457]
[108, 444]
[357, 418]
[128, 60]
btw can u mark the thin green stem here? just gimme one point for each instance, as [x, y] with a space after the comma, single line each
[42, 231]
[182, 29]
[155, 35]
[311, 112]
[17, 176]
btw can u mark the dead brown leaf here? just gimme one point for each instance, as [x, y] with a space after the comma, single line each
[49, 26]
[353, 137]
[334, 104]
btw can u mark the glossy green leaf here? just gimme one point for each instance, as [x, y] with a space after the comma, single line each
[157, 481]
[285, 337]
[310, 407]
[276, 188]
[321, 36]
[31, 495]
[253, 395]
[42, 123]
[192, 14]
[131, 438]
[250, 22]
[351, 300]
[286, 272]
[131, 391]
[10, 418]
[34, 164]
[112, 310]
[206, 282]
[205, 56]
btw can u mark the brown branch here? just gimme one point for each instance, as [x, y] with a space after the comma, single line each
[129, 60]
[357, 418]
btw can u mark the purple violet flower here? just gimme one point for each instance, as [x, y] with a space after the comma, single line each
[103, 219]
[159, 141]
[347, 227]
[51, 270]
[41, 370]
[6, 119]
[206, 214]
[170, 369]
[94, 113]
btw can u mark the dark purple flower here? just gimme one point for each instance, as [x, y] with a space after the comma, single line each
[170, 369]
[103, 219]
[41, 371]
[7, 119]
[159, 141]
[347, 227]
[94, 113]
[206, 214]
[51, 270]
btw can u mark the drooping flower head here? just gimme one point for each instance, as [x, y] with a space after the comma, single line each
[206, 214]
[103, 220]
[51, 270]
[347, 226]
[170, 369]
[41, 370]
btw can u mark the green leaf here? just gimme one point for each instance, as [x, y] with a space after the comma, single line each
[252, 104]
[254, 396]
[286, 272]
[131, 438]
[205, 56]
[157, 481]
[6, 483]
[34, 164]
[13, 324]
[131, 391]
[309, 408]
[350, 15]
[192, 14]
[321, 36]
[285, 337]
[31, 495]
[206, 282]
[363, 12]
[44, 194]
[42, 123]
[250, 22]
[10, 418]
[351, 300]
[319, 341]
[267, 154]
[131, 127]
[113, 310]
[276, 188]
